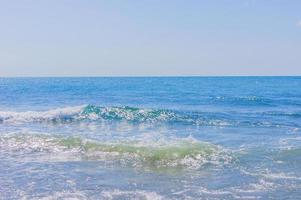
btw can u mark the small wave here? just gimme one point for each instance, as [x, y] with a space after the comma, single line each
[291, 156]
[97, 113]
[243, 100]
[187, 153]
[92, 113]
[128, 113]
[55, 115]
[283, 114]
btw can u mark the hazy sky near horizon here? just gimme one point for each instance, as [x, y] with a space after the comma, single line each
[154, 37]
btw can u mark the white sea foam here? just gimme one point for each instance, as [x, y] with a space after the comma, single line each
[186, 152]
[68, 195]
[137, 194]
[31, 116]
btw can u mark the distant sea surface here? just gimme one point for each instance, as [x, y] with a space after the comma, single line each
[150, 138]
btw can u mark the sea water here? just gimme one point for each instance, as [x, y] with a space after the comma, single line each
[150, 138]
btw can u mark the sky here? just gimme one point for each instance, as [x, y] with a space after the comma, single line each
[150, 38]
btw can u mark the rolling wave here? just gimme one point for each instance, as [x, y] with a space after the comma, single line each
[91, 112]
[138, 115]
[186, 152]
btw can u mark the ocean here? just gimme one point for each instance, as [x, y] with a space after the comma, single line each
[150, 138]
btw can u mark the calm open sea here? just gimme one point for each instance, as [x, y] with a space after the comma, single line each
[150, 138]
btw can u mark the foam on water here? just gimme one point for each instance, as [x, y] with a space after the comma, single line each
[129, 138]
[60, 114]
[91, 112]
[117, 194]
[186, 152]
[134, 115]
[106, 194]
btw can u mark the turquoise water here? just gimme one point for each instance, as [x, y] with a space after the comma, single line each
[150, 138]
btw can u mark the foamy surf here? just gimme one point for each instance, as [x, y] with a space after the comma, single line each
[106, 195]
[92, 113]
[187, 152]
[55, 115]
[150, 138]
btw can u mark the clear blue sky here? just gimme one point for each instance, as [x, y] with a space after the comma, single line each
[154, 37]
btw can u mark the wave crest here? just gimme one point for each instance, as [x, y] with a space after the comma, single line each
[127, 113]
[187, 153]
[90, 112]
[55, 115]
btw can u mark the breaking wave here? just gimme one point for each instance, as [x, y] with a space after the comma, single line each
[91, 112]
[129, 114]
[186, 152]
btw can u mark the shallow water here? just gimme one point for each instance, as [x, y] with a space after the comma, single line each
[150, 138]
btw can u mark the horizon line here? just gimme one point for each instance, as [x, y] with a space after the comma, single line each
[142, 76]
